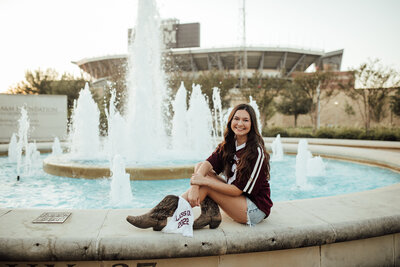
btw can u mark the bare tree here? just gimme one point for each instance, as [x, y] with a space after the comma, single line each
[373, 84]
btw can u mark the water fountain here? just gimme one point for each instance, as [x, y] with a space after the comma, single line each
[110, 238]
[12, 149]
[85, 134]
[218, 116]
[307, 165]
[257, 111]
[141, 135]
[120, 191]
[56, 149]
[277, 149]
[19, 145]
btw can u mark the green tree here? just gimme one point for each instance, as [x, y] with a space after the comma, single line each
[264, 89]
[50, 82]
[395, 103]
[318, 87]
[294, 102]
[373, 84]
[349, 109]
[36, 82]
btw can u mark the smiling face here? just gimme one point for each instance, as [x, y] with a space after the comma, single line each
[241, 123]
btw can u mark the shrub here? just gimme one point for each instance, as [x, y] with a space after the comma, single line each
[386, 134]
[301, 134]
[348, 133]
[325, 133]
[366, 136]
[274, 131]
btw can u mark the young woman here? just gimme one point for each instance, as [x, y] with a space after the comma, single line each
[245, 193]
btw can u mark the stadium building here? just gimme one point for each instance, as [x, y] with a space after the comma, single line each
[182, 42]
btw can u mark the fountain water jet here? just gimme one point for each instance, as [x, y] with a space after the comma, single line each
[179, 122]
[257, 111]
[56, 149]
[218, 119]
[85, 134]
[22, 143]
[301, 163]
[199, 120]
[12, 149]
[277, 150]
[120, 193]
[307, 165]
[146, 86]
[19, 145]
[116, 132]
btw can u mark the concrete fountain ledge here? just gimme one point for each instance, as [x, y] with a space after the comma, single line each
[348, 230]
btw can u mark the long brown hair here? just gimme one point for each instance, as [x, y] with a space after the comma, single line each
[250, 154]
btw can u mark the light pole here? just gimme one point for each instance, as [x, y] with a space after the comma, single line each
[318, 104]
[336, 114]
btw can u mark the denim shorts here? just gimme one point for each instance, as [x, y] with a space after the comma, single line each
[254, 214]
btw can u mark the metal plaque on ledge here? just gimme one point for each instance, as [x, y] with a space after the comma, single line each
[52, 217]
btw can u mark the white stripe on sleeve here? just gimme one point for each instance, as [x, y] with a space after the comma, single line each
[260, 155]
[259, 169]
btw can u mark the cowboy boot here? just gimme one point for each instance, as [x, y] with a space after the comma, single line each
[210, 215]
[157, 216]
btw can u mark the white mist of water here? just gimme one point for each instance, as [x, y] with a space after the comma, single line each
[307, 165]
[218, 117]
[146, 86]
[116, 142]
[22, 143]
[120, 192]
[277, 149]
[12, 149]
[34, 157]
[301, 163]
[316, 166]
[85, 134]
[199, 120]
[257, 111]
[179, 122]
[226, 116]
[56, 147]
[19, 144]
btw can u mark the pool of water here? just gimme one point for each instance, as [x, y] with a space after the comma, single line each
[41, 190]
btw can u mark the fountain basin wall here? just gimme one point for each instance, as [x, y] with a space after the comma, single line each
[348, 230]
[321, 147]
[74, 170]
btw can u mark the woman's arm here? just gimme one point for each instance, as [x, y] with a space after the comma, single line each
[219, 186]
[205, 168]
[193, 194]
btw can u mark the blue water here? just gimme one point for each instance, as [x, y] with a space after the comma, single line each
[41, 190]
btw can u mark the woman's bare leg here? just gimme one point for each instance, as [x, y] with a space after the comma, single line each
[235, 207]
[210, 175]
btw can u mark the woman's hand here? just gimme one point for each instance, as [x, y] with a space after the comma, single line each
[194, 196]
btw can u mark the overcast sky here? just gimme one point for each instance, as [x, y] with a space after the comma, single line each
[52, 33]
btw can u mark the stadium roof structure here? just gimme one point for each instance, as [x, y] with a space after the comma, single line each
[266, 60]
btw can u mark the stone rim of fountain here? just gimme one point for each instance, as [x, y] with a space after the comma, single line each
[76, 170]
